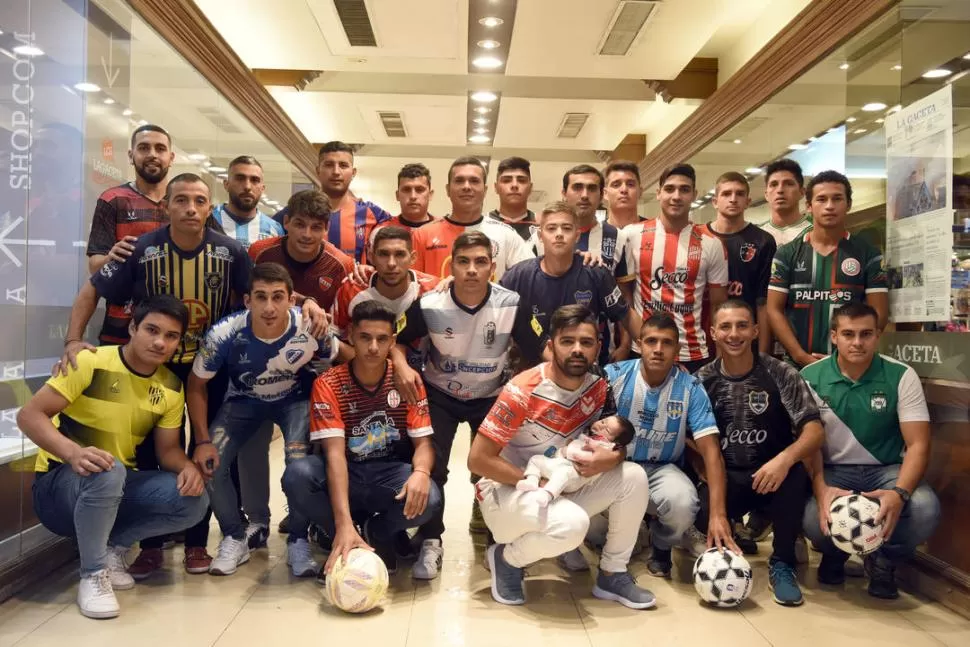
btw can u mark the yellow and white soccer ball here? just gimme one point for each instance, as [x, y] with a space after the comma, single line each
[358, 585]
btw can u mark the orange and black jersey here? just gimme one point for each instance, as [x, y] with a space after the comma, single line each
[208, 279]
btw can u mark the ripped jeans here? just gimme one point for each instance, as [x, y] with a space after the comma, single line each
[238, 421]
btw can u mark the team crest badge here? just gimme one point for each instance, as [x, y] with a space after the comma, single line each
[325, 282]
[851, 267]
[878, 402]
[293, 355]
[758, 401]
[213, 280]
[490, 333]
[393, 398]
[748, 252]
[675, 409]
[155, 395]
[583, 297]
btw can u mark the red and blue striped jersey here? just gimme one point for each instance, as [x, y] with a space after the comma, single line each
[351, 225]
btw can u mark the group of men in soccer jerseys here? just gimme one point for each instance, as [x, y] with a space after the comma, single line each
[368, 339]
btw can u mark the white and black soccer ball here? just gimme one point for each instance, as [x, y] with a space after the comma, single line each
[853, 526]
[722, 578]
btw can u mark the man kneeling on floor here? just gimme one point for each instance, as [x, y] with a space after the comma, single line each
[377, 460]
[86, 486]
[538, 412]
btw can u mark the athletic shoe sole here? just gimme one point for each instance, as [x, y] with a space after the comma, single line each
[99, 615]
[307, 572]
[127, 586]
[495, 595]
[603, 594]
[214, 571]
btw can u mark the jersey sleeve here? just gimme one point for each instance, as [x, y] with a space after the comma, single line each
[764, 272]
[876, 279]
[174, 412]
[116, 281]
[242, 268]
[215, 349]
[411, 325]
[275, 228]
[796, 396]
[612, 303]
[609, 402]
[717, 263]
[519, 249]
[625, 264]
[341, 308]
[700, 414]
[911, 404]
[327, 347]
[102, 237]
[72, 385]
[523, 332]
[325, 419]
[506, 415]
[419, 418]
[781, 265]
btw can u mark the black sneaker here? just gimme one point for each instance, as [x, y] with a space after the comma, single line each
[384, 547]
[404, 546]
[758, 526]
[831, 570]
[284, 527]
[660, 563]
[882, 576]
[257, 535]
[747, 546]
[320, 537]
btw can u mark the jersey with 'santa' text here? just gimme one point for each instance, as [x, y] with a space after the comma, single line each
[760, 413]
[319, 278]
[663, 416]
[247, 232]
[672, 272]
[433, 243]
[351, 225]
[208, 279]
[377, 423]
[817, 285]
[261, 369]
[533, 415]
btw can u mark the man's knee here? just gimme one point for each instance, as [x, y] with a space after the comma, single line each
[110, 483]
[432, 507]
[923, 512]
[677, 507]
[300, 475]
[811, 524]
[635, 480]
[192, 508]
[294, 450]
[567, 522]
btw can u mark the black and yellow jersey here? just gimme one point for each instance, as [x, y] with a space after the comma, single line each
[112, 407]
[205, 279]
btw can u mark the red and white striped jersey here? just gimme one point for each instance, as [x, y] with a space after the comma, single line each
[672, 271]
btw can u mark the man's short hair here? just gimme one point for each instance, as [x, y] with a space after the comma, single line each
[310, 203]
[164, 304]
[581, 169]
[735, 304]
[731, 176]
[514, 164]
[335, 147]
[786, 164]
[569, 317]
[853, 310]
[829, 177]
[245, 159]
[270, 273]
[466, 160]
[627, 433]
[184, 178]
[661, 321]
[622, 165]
[373, 311]
[683, 169]
[559, 206]
[150, 128]
[471, 239]
[391, 232]
[413, 171]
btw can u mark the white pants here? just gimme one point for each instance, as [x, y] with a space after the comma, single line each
[560, 474]
[533, 532]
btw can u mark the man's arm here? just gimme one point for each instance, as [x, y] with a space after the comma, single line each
[499, 427]
[484, 460]
[346, 537]
[879, 301]
[770, 476]
[172, 458]
[717, 295]
[782, 330]
[82, 310]
[764, 329]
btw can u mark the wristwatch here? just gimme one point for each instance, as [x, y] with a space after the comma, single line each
[903, 494]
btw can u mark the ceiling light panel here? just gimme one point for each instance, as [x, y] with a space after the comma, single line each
[571, 125]
[489, 35]
[627, 24]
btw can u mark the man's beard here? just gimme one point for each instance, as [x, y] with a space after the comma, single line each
[237, 202]
[152, 178]
[573, 369]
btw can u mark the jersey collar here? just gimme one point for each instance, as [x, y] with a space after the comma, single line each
[465, 224]
[462, 307]
[835, 375]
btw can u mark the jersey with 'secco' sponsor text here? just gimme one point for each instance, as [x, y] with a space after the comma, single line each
[672, 272]
[376, 422]
[433, 243]
[468, 353]
[266, 370]
[663, 416]
[817, 285]
[533, 415]
[759, 413]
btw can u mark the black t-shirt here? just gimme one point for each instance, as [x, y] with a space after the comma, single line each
[750, 252]
[758, 414]
[541, 294]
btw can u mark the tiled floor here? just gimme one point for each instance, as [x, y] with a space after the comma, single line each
[262, 605]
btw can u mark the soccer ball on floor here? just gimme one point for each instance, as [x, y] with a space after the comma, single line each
[853, 525]
[358, 585]
[722, 578]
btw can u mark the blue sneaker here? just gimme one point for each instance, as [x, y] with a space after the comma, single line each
[783, 584]
[506, 579]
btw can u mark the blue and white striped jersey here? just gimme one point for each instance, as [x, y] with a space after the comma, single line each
[663, 416]
[247, 233]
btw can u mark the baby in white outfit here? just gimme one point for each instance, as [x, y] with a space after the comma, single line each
[559, 470]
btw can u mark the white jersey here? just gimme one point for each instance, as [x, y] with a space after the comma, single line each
[784, 235]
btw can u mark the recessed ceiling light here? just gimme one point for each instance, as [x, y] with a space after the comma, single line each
[938, 73]
[127, 112]
[797, 147]
[222, 176]
[489, 44]
[754, 170]
[216, 169]
[483, 110]
[109, 101]
[479, 139]
[850, 120]
[859, 131]
[487, 63]
[484, 96]
[198, 157]
[737, 141]
[875, 106]
[812, 138]
[895, 108]
[834, 129]
[897, 67]
[143, 122]
[84, 86]
[480, 120]
[490, 21]
[966, 57]
[28, 50]
[844, 66]
[481, 131]
[880, 120]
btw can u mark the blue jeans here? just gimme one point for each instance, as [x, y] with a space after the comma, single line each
[239, 420]
[372, 488]
[673, 503]
[113, 508]
[917, 521]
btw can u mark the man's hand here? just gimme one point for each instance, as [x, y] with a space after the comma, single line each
[91, 460]
[771, 475]
[122, 250]
[824, 500]
[189, 481]
[69, 358]
[346, 540]
[719, 534]
[602, 460]
[206, 457]
[808, 358]
[620, 354]
[408, 382]
[890, 506]
[592, 259]
[415, 494]
[361, 275]
[315, 318]
[444, 284]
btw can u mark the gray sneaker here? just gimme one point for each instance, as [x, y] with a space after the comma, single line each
[622, 588]
[506, 579]
[574, 561]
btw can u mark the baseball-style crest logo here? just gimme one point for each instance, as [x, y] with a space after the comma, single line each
[213, 280]
[293, 355]
[609, 247]
[675, 409]
[155, 395]
[393, 398]
[490, 333]
[748, 251]
[878, 402]
[851, 267]
[758, 401]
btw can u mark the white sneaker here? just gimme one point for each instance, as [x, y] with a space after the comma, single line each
[300, 559]
[232, 553]
[96, 598]
[574, 561]
[694, 542]
[428, 563]
[801, 550]
[117, 568]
